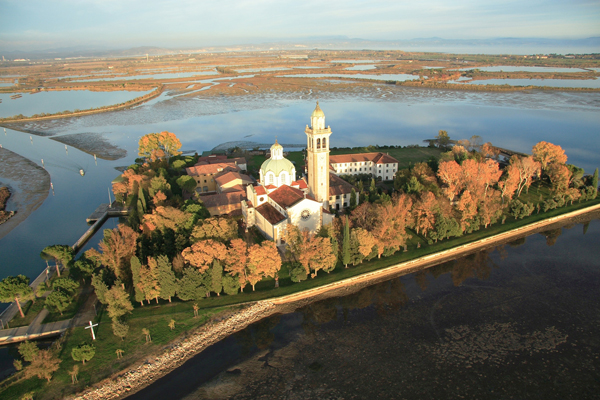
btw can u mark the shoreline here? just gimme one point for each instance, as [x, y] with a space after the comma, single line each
[143, 374]
[28, 183]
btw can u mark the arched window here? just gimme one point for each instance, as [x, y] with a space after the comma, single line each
[282, 178]
[269, 178]
[318, 144]
[324, 143]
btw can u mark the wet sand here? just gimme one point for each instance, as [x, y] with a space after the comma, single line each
[29, 184]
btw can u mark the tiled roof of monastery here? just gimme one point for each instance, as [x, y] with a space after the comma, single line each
[270, 213]
[206, 169]
[286, 196]
[338, 186]
[378, 158]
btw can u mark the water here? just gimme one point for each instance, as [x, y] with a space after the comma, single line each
[381, 77]
[361, 67]
[153, 76]
[501, 323]
[561, 83]
[505, 68]
[354, 61]
[58, 101]
[263, 69]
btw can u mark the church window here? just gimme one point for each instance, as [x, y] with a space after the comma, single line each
[269, 178]
[318, 144]
[324, 143]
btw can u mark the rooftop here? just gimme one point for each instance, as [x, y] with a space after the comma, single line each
[286, 196]
[270, 213]
[378, 158]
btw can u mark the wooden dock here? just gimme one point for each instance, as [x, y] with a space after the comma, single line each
[98, 214]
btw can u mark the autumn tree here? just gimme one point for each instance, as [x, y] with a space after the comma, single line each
[346, 243]
[136, 266]
[559, 176]
[154, 146]
[17, 289]
[450, 174]
[236, 260]
[523, 170]
[201, 254]
[468, 208]
[43, 365]
[424, 213]
[220, 229]
[149, 283]
[547, 153]
[263, 260]
[167, 217]
[117, 247]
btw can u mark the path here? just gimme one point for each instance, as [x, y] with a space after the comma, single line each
[35, 330]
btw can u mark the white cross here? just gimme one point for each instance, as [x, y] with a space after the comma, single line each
[91, 327]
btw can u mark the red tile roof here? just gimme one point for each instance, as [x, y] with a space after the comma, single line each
[300, 183]
[206, 169]
[338, 186]
[222, 199]
[260, 190]
[271, 187]
[228, 176]
[220, 159]
[270, 213]
[378, 158]
[286, 196]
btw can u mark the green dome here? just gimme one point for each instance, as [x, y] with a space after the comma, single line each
[277, 166]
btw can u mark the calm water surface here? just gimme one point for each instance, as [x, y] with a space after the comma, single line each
[517, 321]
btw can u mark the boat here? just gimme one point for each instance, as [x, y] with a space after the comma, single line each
[81, 172]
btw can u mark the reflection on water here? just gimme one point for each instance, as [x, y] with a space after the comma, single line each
[563, 83]
[505, 322]
[505, 68]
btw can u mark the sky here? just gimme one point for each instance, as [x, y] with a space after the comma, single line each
[45, 24]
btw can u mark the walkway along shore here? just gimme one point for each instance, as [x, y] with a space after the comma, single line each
[145, 373]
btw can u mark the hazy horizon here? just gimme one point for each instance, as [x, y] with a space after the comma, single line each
[110, 24]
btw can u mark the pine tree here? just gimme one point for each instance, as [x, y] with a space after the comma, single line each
[217, 278]
[595, 183]
[142, 199]
[135, 273]
[166, 278]
[346, 244]
[353, 198]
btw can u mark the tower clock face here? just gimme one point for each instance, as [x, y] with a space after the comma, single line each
[322, 157]
[305, 214]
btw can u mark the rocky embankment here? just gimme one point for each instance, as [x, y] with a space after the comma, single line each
[141, 375]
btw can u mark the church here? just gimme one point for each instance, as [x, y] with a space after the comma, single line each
[280, 199]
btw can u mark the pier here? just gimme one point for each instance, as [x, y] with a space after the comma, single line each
[98, 217]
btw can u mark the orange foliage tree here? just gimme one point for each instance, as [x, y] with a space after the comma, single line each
[167, 217]
[117, 247]
[154, 146]
[201, 254]
[263, 260]
[547, 153]
[236, 260]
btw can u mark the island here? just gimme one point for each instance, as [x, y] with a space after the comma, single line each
[214, 242]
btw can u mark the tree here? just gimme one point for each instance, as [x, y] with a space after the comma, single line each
[186, 183]
[424, 213]
[16, 288]
[117, 247]
[166, 278]
[167, 217]
[216, 273]
[74, 372]
[191, 285]
[595, 183]
[146, 332]
[449, 173]
[28, 350]
[231, 284]
[346, 243]
[559, 176]
[120, 328]
[100, 288]
[59, 300]
[353, 199]
[118, 302]
[219, 229]
[201, 254]
[65, 284]
[60, 252]
[236, 260]
[547, 153]
[524, 170]
[442, 139]
[172, 324]
[119, 353]
[136, 266]
[158, 145]
[149, 283]
[43, 365]
[84, 352]
[264, 260]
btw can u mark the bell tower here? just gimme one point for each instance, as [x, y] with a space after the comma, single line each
[317, 156]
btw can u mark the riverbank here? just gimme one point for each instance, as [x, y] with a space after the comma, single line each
[144, 373]
[68, 114]
[4, 196]
[29, 184]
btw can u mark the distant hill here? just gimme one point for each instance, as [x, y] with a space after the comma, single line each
[433, 44]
